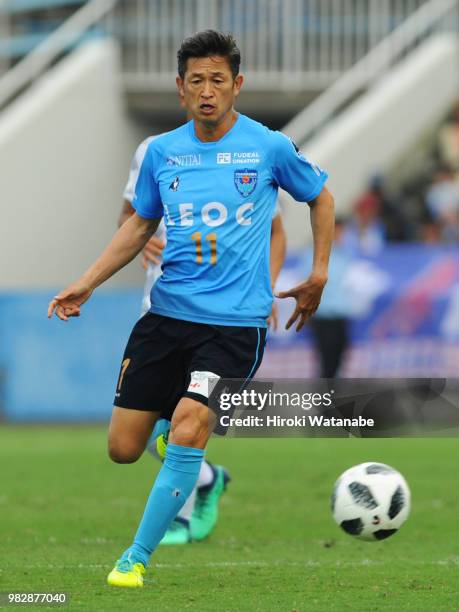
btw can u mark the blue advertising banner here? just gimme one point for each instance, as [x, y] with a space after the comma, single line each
[403, 311]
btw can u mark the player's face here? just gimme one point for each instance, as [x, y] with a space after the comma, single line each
[208, 90]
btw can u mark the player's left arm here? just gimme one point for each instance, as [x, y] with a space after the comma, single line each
[305, 182]
[278, 249]
[276, 261]
[309, 293]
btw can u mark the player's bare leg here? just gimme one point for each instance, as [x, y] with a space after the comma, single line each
[129, 432]
[192, 424]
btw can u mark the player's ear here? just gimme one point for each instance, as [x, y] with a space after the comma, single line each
[238, 81]
[180, 88]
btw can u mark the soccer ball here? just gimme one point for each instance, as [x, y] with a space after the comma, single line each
[371, 501]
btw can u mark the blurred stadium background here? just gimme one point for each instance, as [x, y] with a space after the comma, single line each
[368, 89]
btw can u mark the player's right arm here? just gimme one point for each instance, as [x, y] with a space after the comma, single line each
[126, 244]
[154, 248]
[128, 241]
[127, 210]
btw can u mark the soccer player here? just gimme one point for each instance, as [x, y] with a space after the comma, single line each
[198, 516]
[215, 181]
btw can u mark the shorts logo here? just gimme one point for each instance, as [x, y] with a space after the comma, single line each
[203, 383]
[124, 367]
[223, 158]
[245, 181]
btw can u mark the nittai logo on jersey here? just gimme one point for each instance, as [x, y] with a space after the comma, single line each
[191, 159]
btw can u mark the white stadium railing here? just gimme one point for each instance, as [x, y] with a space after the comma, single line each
[286, 44]
[38, 60]
[429, 19]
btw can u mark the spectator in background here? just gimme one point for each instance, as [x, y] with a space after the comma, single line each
[365, 233]
[429, 230]
[442, 203]
[448, 142]
[330, 324]
[396, 225]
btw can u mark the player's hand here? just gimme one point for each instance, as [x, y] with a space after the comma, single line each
[153, 251]
[273, 319]
[67, 303]
[307, 296]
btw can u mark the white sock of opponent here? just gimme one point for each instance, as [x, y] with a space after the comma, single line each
[205, 478]
[187, 509]
[206, 475]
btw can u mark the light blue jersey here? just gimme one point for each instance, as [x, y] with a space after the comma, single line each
[217, 199]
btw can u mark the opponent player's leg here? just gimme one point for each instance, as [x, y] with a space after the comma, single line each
[212, 483]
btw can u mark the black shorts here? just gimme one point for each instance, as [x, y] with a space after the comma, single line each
[167, 359]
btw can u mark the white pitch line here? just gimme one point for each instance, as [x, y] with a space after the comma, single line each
[219, 564]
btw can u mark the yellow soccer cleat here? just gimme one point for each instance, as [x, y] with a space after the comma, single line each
[161, 445]
[126, 573]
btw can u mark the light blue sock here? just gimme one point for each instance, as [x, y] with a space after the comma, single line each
[174, 483]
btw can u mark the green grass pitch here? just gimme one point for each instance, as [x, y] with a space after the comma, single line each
[67, 513]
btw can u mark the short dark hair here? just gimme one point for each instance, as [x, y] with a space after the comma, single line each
[207, 44]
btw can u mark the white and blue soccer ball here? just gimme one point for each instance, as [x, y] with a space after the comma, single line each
[371, 501]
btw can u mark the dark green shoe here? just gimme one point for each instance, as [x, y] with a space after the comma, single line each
[205, 513]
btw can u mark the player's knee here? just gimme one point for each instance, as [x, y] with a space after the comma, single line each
[123, 453]
[190, 425]
[184, 434]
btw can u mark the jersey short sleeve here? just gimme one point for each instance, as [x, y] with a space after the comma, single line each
[147, 198]
[129, 190]
[302, 179]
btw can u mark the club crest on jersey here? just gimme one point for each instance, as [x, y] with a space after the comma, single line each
[245, 181]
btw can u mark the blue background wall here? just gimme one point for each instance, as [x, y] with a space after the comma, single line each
[56, 371]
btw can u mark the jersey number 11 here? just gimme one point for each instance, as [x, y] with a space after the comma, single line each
[212, 238]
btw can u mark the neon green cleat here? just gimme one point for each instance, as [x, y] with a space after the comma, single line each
[126, 573]
[161, 445]
[205, 513]
[178, 533]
